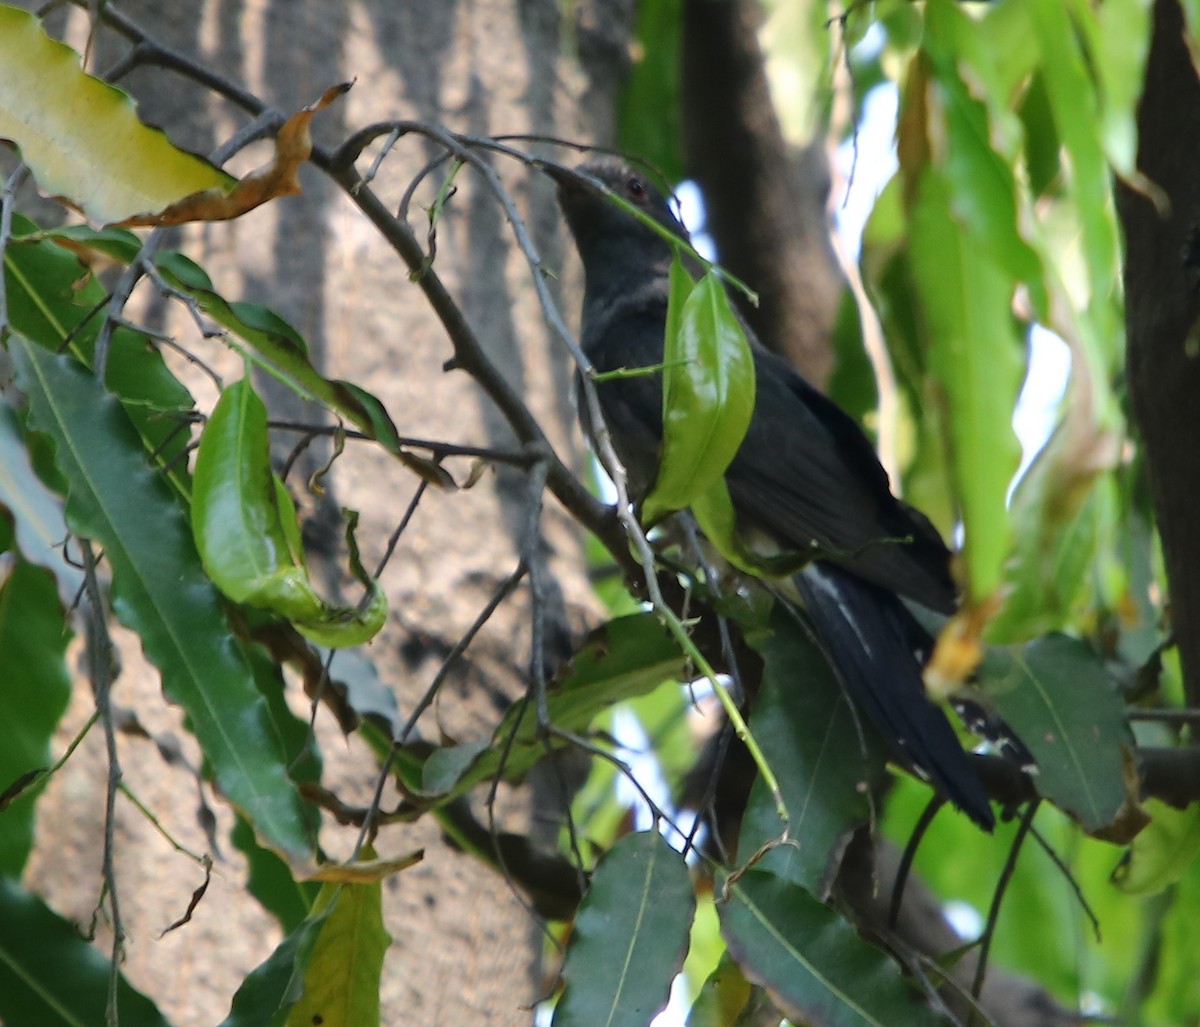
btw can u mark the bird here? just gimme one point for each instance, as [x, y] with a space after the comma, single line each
[805, 478]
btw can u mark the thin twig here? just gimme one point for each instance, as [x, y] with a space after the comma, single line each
[101, 665]
[178, 846]
[1063, 869]
[8, 199]
[932, 807]
[394, 538]
[993, 916]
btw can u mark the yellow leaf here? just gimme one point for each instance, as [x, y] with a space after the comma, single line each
[81, 137]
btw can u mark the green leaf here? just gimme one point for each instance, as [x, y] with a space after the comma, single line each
[1176, 995]
[806, 729]
[33, 695]
[1073, 102]
[626, 657]
[630, 936]
[246, 531]
[36, 511]
[341, 981]
[1162, 852]
[1058, 698]
[81, 136]
[160, 590]
[51, 977]
[276, 347]
[981, 182]
[1118, 41]
[648, 107]
[722, 998]
[268, 994]
[975, 358]
[708, 395]
[54, 302]
[817, 969]
[1064, 519]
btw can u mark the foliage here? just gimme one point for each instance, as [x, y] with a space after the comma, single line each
[1013, 120]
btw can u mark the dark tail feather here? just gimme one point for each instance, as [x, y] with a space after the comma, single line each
[869, 637]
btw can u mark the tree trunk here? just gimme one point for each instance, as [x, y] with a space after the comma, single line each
[465, 949]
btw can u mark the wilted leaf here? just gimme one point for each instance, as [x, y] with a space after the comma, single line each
[366, 871]
[630, 936]
[293, 144]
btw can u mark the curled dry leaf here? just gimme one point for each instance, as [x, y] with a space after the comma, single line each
[365, 872]
[293, 144]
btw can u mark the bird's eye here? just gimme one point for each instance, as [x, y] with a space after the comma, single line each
[635, 188]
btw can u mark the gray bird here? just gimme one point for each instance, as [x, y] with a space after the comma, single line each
[805, 477]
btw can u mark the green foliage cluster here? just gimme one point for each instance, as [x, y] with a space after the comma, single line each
[1014, 119]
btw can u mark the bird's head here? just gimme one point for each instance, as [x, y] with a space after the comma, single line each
[593, 217]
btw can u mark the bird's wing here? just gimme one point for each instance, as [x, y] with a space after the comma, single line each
[806, 474]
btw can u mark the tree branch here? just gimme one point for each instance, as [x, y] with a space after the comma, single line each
[1162, 315]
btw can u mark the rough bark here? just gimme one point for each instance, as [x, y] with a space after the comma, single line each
[1162, 294]
[465, 949]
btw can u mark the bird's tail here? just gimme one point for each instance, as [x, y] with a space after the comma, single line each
[872, 640]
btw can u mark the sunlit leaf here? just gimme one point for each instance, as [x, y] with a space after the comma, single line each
[1073, 103]
[341, 980]
[246, 531]
[975, 357]
[722, 998]
[630, 936]
[981, 185]
[159, 587]
[648, 115]
[1118, 38]
[708, 395]
[1176, 994]
[81, 136]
